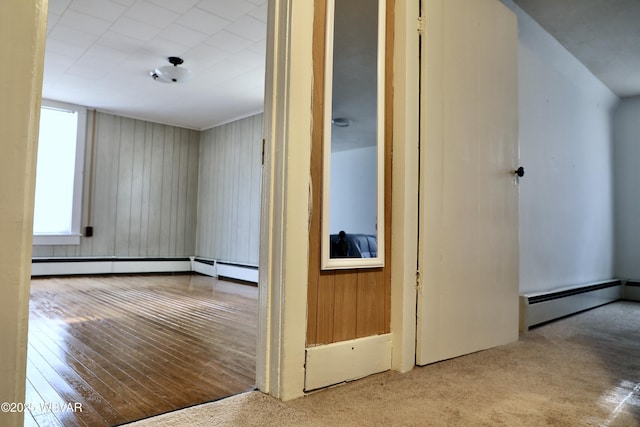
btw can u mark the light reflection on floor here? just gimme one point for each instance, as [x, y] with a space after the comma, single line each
[622, 398]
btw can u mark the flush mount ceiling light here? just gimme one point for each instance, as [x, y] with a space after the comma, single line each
[172, 73]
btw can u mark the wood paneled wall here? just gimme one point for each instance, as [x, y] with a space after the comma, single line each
[229, 192]
[346, 304]
[143, 191]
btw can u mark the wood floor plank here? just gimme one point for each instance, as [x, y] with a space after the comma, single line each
[129, 347]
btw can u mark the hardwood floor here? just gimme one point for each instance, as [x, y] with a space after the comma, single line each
[122, 348]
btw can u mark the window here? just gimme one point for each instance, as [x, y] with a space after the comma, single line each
[58, 202]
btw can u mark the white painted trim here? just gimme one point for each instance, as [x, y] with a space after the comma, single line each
[282, 297]
[347, 360]
[328, 263]
[404, 217]
[57, 239]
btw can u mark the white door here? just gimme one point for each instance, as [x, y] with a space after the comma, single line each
[468, 298]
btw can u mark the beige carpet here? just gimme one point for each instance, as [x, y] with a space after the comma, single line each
[580, 371]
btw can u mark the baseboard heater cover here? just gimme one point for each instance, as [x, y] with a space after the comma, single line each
[107, 265]
[632, 290]
[541, 307]
[226, 270]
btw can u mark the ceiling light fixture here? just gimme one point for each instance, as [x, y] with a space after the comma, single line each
[172, 73]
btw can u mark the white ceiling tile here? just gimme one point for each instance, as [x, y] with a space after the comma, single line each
[151, 14]
[203, 21]
[125, 2]
[248, 59]
[165, 48]
[134, 28]
[119, 42]
[260, 13]
[72, 36]
[182, 35]
[103, 9]
[259, 47]
[204, 56]
[249, 27]
[58, 6]
[83, 22]
[60, 47]
[180, 6]
[259, 2]
[229, 41]
[106, 53]
[230, 10]
[52, 20]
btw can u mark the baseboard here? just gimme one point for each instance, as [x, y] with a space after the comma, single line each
[226, 270]
[109, 265]
[541, 307]
[632, 290]
[346, 360]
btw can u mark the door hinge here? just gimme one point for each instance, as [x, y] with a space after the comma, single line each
[418, 281]
[263, 144]
[420, 26]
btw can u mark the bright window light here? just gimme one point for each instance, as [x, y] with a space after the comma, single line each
[59, 169]
[55, 172]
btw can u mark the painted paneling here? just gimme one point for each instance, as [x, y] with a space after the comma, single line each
[566, 196]
[627, 191]
[229, 192]
[143, 191]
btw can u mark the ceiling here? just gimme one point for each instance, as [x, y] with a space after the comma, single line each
[100, 53]
[602, 34]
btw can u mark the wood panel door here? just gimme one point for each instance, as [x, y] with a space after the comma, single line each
[468, 295]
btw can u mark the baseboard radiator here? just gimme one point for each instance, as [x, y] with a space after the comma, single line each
[226, 270]
[541, 307]
[41, 266]
[632, 290]
[107, 265]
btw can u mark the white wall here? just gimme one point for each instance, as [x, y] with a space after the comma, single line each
[353, 191]
[229, 192]
[566, 196]
[144, 191]
[627, 175]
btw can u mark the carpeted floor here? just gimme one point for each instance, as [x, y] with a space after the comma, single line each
[580, 371]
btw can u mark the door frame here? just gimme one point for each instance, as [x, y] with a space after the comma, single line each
[280, 356]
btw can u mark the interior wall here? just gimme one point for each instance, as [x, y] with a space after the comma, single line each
[627, 194]
[353, 191]
[566, 195]
[229, 192]
[144, 191]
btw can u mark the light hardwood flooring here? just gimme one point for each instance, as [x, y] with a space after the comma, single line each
[123, 348]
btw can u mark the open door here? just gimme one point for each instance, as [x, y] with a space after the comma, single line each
[468, 293]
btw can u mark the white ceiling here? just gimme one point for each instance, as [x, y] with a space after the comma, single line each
[602, 34]
[99, 54]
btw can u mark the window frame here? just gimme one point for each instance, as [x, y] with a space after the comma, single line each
[72, 238]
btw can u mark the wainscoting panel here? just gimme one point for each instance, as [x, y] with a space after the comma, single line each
[229, 192]
[143, 193]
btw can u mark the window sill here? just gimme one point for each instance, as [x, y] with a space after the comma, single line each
[56, 239]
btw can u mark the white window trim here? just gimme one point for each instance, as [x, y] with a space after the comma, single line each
[72, 238]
